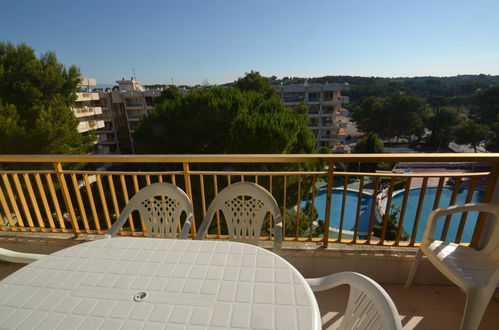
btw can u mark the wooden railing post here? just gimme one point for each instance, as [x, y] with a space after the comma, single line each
[327, 220]
[489, 193]
[67, 198]
[188, 188]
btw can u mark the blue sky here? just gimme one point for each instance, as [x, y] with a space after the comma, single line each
[192, 41]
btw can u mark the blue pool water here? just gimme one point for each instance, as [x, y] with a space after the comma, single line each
[412, 204]
[350, 209]
[410, 214]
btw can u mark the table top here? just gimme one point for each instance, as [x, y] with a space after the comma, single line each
[147, 283]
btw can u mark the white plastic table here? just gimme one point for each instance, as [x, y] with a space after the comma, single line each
[146, 283]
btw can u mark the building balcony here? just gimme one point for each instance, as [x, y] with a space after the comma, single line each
[134, 106]
[58, 206]
[337, 100]
[90, 125]
[330, 138]
[87, 111]
[109, 141]
[87, 96]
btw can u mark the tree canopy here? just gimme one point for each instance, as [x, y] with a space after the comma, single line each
[369, 144]
[470, 132]
[167, 94]
[253, 81]
[486, 105]
[35, 99]
[392, 117]
[226, 120]
[223, 120]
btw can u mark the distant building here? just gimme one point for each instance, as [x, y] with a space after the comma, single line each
[324, 104]
[87, 108]
[128, 105]
[112, 114]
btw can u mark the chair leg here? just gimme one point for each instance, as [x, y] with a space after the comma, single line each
[414, 268]
[476, 304]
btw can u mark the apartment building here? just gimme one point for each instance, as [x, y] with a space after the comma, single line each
[128, 104]
[325, 104]
[113, 114]
[87, 108]
[108, 142]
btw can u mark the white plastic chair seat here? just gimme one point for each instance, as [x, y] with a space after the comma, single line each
[368, 307]
[462, 265]
[476, 272]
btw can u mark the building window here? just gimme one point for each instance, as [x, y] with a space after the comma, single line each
[314, 97]
[313, 109]
[293, 97]
[134, 102]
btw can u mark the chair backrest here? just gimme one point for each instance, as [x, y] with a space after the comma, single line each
[244, 206]
[161, 215]
[491, 246]
[368, 307]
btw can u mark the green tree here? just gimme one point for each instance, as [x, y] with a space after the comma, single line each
[300, 221]
[370, 144]
[442, 122]
[35, 98]
[368, 115]
[168, 94]
[224, 121]
[486, 105]
[255, 82]
[395, 116]
[470, 132]
[404, 116]
[492, 143]
[391, 227]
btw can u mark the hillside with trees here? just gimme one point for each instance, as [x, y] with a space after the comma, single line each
[462, 109]
[458, 88]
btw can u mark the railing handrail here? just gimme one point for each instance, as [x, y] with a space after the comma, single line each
[28, 198]
[252, 158]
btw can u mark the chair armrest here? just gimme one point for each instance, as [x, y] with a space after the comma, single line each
[120, 221]
[326, 282]
[277, 237]
[19, 257]
[437, 213]
[187, 226]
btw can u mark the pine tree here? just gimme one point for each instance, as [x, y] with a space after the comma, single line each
[35, 99]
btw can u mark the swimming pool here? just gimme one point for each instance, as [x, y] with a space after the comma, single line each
[410, 213]
[412, 204]
[350, 210]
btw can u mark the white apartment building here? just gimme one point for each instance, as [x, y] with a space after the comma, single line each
[112, 114]
[128, 105]
[325, 104]
[87, 107]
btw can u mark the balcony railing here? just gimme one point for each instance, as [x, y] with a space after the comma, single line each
[61, 200]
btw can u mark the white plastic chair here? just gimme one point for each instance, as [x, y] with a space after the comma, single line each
[368, 307]
[161, 216]
[244, 206]
[19, 257]
[474, 271]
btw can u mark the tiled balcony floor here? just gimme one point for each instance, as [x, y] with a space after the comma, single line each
[420, 307]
